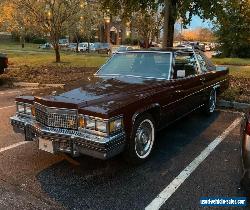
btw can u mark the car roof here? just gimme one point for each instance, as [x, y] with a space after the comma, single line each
[173, 49]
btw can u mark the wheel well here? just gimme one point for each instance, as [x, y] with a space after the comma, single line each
[154, 112]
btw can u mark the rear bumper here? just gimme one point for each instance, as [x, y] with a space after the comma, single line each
[70, 141]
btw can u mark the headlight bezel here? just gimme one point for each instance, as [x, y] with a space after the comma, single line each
[101, 126]
[24, 109]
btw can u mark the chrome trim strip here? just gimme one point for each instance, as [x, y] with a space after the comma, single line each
[56, 108]
[216, 85]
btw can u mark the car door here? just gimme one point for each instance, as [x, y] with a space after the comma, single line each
[187, 94]
[208, 75]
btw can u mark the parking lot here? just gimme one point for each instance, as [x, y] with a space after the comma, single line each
[33, 179]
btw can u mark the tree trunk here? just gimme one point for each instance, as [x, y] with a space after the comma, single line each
[146, 41]
[169, 22]
[57, 52]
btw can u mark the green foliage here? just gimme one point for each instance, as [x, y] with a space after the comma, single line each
[232, 29]
[130, 41]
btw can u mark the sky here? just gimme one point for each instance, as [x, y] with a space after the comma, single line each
[197, 22]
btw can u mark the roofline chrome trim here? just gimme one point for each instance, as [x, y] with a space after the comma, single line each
[108, 75]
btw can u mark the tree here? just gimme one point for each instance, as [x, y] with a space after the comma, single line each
[232, 28]
[51, 17]
[198, 34]
[14, 20]
[173, 9]
[147, 23]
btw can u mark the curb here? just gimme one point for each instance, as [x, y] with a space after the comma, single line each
[27, 84]
[233, 104]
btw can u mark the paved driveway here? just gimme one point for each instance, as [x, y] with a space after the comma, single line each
[33, 179]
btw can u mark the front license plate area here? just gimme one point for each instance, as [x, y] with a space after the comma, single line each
[46, 145]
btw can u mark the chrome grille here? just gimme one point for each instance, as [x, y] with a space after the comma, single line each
[55, 117]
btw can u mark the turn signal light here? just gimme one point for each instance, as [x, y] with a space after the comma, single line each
[81, 122]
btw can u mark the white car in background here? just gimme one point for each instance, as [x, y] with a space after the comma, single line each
[82, 47]
[207, 48]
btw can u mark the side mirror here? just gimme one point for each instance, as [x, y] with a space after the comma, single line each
[181, 73]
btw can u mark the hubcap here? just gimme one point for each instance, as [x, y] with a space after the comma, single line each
[144, 139]
[212, 101]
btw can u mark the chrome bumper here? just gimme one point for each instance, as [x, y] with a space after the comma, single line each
[70, 141]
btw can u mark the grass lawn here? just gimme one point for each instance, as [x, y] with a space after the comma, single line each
[232, 61]
[240, 71]
[32, 56]
[17, 46]
[68, 59]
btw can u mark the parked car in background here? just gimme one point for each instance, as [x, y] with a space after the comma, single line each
[245, 151]
[45, 46]
[89, 46]
[131, 97]
[82, 47]
[72, 47]
[207, 48]
[63, 42]
[216, 54]
[122, 48]
[184, 46]
[3, 63]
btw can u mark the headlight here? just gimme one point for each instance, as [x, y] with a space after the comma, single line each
[20, 108]
[115, 125]
[26, 109]
[90, 123]
[101, 126]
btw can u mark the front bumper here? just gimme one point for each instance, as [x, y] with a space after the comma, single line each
[70, 141]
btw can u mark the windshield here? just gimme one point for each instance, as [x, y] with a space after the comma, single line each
[143, 64]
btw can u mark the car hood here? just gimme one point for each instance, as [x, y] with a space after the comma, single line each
[103, 95]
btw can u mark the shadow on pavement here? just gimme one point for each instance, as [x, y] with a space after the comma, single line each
[113, 184]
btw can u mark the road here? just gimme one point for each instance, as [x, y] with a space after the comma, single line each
[33, 179]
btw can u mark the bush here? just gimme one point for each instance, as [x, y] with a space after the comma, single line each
[130, 41]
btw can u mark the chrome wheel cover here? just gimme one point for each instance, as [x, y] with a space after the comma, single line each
[144, 138]
[212, 101]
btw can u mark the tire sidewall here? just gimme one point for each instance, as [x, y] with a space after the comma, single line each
[130, 153]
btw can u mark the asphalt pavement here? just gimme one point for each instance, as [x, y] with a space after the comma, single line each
[33, 179]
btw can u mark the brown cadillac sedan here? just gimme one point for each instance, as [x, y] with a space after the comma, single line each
[129, 99]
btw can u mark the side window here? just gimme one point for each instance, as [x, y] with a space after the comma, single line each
[202, 62]
[186, 62]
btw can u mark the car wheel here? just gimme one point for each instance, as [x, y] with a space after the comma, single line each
[141, 143]
[211, 102]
